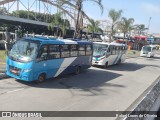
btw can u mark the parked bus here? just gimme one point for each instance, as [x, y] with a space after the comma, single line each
[2, 38]
[40, 58]
[1, 41]
[105, 54]
[148, 51]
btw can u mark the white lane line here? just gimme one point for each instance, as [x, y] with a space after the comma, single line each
[15, 90]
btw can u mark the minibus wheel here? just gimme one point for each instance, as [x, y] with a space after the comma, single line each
[78, 70]
[41, 78]
[106, 65]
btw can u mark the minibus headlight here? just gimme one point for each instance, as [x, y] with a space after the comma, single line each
[27, 70]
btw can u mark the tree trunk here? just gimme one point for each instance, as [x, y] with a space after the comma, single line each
[111, 35]
[57, 33]
[77, 27]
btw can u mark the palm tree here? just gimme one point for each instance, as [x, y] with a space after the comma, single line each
[93, 27]
[141, 28]
[78, 6]
[115, 17]
[125, 25]
[3, 11]
[59, 24]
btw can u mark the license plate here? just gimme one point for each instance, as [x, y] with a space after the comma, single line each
[13, 71]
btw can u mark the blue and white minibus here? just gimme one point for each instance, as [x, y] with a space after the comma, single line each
[38, 58]
[105, 54]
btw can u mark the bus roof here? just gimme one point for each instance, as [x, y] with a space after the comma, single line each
[56, 41]
[149, 46]
[112, 43]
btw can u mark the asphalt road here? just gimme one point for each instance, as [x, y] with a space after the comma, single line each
[116, 88]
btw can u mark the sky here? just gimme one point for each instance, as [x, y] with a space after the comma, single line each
[140, 10]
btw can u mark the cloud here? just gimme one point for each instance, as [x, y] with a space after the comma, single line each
[151, 8]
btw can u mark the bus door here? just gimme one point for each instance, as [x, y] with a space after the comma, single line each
[41, 62]
[113, 57]
[54, 61]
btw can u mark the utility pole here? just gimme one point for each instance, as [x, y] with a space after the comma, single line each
[149, 23]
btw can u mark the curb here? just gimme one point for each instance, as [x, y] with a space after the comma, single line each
[3, 76]
[127, 57]
[132, 57]
[2, 71]
[148, 103]
[2, 63]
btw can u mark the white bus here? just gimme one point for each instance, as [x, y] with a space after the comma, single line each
[148, 51]
[105, 54]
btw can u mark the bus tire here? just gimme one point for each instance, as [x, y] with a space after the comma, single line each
[78, 70]
[41, 78]
[106, 65]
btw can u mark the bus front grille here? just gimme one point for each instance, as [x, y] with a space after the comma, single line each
[15, 70]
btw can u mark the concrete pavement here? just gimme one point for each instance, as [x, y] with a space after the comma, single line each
[113, 89]
[2, 71]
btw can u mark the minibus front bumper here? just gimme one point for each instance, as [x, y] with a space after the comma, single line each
[19, 73]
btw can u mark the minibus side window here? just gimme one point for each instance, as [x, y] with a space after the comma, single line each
[54, 51]
[42, 55]
[88, 50]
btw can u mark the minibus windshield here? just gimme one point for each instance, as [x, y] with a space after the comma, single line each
[147, 49]
[99, 50]
[24, 50]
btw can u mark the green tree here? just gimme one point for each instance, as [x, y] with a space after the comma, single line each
[3, 11]
[125, 25]
[141, 28]
[59, 24]
[32, 15]
[115, 16]
[93, 27]
[78, 6]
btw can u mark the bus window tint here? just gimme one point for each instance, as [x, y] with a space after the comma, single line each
[88, 50]
[74, 50]
[81, 50]
[43, 53]
[54, 51]
[110, 49]
[114, 50]
[65, 51]
[118, 50]
[123, 50]
[154, 49]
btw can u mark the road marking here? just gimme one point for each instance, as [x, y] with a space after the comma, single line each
[15, 90]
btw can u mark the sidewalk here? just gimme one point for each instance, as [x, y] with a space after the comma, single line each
[132, 54]
[2, 71]
[2, 67]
